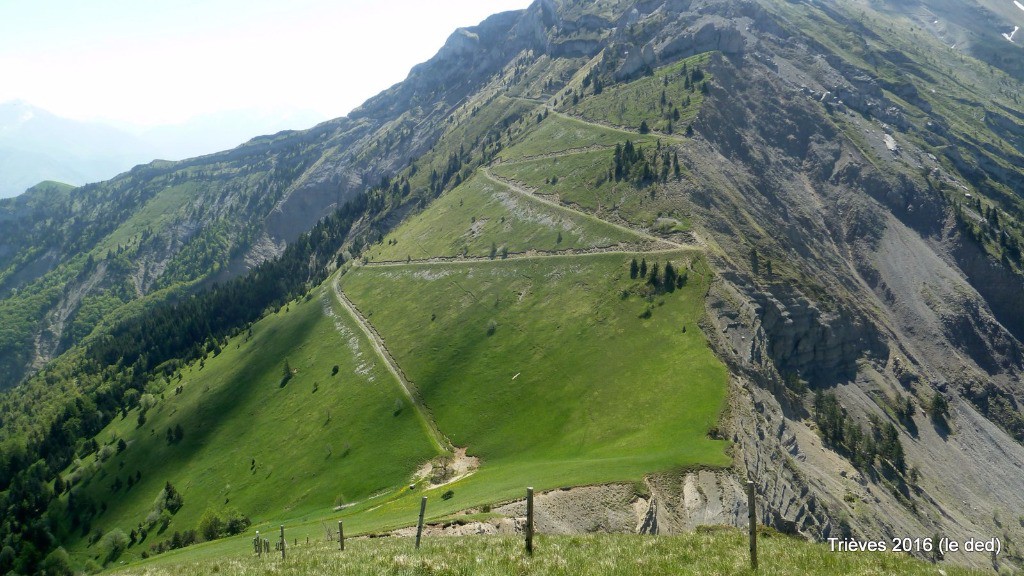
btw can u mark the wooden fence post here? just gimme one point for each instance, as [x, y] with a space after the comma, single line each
[341, 535]
[282, 542]
[752, 518]
[419, 525]
[259, 544]
[529, 520]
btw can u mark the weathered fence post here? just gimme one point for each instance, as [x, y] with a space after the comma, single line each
[752, 518]
[258, 542]
[529, 520]
[419, 525]
[282, 542]
[341, 535]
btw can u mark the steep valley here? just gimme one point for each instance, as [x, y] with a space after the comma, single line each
[650, 249]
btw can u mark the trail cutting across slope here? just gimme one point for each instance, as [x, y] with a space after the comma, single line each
[440, 441]
[486, 170]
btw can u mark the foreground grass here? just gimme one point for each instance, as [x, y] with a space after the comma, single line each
[706, 552]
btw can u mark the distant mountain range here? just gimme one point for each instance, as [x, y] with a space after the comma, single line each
[36, 145]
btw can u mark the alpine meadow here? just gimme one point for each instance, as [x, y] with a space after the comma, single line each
[654, 261]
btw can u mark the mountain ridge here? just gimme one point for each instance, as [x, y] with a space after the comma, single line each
[859, 219]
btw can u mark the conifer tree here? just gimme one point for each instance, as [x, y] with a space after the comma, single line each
[670, 278]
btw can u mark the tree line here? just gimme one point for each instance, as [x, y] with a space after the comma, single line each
[115, 367]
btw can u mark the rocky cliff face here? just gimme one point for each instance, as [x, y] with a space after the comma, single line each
[876, 294]
[843, 175]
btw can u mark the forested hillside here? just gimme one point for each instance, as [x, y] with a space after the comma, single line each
[649, 249]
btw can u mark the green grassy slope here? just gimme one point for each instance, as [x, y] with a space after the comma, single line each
[640, 101]
[481, 214]
[582, 179]
[559, 134]
[317, 441]
[570, 371]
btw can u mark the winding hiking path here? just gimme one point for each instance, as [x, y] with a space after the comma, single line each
[440, 441]
[659, 245]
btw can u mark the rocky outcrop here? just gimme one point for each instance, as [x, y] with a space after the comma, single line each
[669, 503]
[794, 334]
[711, 33]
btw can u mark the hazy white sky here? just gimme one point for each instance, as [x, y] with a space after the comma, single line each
[155, 62]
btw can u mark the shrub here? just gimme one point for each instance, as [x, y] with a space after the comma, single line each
[236, 523]
[113, 544]
[58, 563]
[105, 453]
[220, 523]
[448, 494]
[211, 525]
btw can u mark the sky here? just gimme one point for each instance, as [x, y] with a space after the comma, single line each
[147, 62]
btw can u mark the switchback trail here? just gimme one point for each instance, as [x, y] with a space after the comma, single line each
[439, 440]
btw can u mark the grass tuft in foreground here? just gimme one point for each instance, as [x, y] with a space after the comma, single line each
[706, 552]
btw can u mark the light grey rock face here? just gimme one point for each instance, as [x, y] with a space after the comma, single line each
[672, 504]
[801, 339]
[883, 299]
[636, 62]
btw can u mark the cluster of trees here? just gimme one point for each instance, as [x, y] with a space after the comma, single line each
[213, 525]
[668, 281]
[631, 163]
[992, 228]
[176, 434]
[221, 523]
[997, 405]
[593, 78]
[880, 443]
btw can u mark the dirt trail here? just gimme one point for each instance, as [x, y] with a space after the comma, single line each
[558, 154]
[529, 255]
[511, 185]
[623, 130]
[677, 139]
[440, 441]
